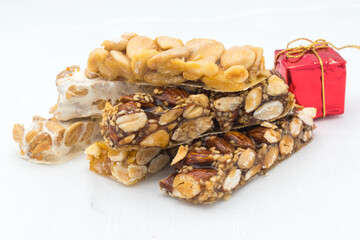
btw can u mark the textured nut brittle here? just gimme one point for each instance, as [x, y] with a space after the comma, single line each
[251, 107]
[167, 61]
[50, 141]
[162, 119]
[170, 116]
[211, 170]
[125, 165]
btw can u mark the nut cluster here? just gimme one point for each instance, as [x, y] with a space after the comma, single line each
[173, 116]
[214, 166]
[168, 61]
[163, 119]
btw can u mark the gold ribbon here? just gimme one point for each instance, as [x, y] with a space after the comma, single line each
[298, 52]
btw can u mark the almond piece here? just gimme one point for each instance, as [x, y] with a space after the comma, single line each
[73, 134]
[306, 136]
[269, 110]
[132, 122]
[220, 144]
[88, 131]
[40, 144]
[30, 135]
[157, 139]
[296, 126]
[307, 115]
[276, 86]
[18, 133]
[226, 104]
[193, 111]
[252, 171]
[126, 140]
[199, 157]
[170, 96]
[246, 159]
[239, 139]
[232, 180]
[253, 99]
[74, 92]
[167, 183]
[170, 116]
[100, 104]
[57, 130]
[192, 129]
[270, 157]
[200, 99]
[186, 185]
[286, 145]
[181, 154]
[265, 135]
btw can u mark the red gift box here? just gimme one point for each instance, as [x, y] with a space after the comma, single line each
[303, 75]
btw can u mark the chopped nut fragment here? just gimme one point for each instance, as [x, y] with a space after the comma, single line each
[181, 154]
[253, 99]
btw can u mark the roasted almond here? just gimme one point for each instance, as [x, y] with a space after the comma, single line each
[239, 139]
[199, 157]
[265, 135]
[40, 143]
[220, 144]
[73, 134]
[171, 95]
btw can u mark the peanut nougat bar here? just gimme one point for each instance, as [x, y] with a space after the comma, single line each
[167, 61]
[211, 168]
[80, 96]
[51, 141]
[127, 166]
[173, 116]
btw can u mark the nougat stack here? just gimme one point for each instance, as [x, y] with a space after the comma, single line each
[216, 113]
[76, 118]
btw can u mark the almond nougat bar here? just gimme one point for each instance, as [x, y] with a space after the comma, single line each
[174, 116]
[211, 168]
[51, 141]
[167, 61]
[80, 96]
[125, 165]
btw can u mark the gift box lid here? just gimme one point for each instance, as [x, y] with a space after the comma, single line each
[327, 55]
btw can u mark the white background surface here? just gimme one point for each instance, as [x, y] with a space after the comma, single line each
[313, 195]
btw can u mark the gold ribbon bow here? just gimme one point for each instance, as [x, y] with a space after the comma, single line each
[298, 52]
